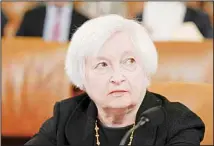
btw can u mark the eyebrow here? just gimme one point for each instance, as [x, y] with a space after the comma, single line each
[128, 52]
[124, 53]
[102, 58]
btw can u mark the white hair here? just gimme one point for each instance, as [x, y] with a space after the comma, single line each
[91, 36]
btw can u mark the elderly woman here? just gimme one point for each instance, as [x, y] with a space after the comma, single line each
[113, 59]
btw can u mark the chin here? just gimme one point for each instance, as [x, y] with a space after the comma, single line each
[121, 105]
[119, 109]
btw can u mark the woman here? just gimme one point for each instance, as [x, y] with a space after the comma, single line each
[113, 59]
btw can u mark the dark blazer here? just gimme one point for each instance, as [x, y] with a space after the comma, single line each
[3, 22]
[196, 16]
[33, 22]
[73, 124]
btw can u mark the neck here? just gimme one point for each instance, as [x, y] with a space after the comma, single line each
[118, 117]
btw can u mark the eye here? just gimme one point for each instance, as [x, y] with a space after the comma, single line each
[129, 64]
[101, 65]
[130, 61]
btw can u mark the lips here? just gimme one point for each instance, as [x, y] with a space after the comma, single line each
[118, 93]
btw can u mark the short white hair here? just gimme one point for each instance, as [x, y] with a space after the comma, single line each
[91, 36]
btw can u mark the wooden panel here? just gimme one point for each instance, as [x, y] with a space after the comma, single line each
[33, 77]
[189, 62]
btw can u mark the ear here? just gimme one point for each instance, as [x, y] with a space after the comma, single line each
[83, 85]
[148, 81]
[83, 88]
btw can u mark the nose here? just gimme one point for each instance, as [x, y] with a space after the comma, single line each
[117, 78]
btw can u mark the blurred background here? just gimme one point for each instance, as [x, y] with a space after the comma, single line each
[35, 37]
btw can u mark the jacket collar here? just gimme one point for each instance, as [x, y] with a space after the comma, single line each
[189, 15]
[81, 124]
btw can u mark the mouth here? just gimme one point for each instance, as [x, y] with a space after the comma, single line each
[118, 93]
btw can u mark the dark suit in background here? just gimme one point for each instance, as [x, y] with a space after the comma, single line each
[196, 16]
[34, 20]
[3, 22]
[73, 124]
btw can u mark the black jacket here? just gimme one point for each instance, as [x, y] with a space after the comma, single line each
[74, 120]
[196, 16]
[33, 22]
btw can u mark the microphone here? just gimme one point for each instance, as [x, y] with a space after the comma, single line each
[154, 115]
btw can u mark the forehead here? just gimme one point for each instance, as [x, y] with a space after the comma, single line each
[119, 43]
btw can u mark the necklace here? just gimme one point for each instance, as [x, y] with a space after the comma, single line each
[97, 135]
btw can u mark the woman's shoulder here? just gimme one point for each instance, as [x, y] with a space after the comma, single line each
[73, 102]
[181, 122]
[179, 113]
[173, 107]
[179, 117]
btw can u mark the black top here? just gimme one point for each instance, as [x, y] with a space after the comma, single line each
[111, 136]
[73, 123]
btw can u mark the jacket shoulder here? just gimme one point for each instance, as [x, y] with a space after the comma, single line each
[41, 9]
[70, 104]
[79, 14]
[171, 106]
[181, 119]
[197, 12]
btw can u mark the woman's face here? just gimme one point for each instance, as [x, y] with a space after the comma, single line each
[114, 77]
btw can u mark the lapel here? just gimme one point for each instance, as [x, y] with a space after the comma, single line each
[74, 20]
[188, 15]
[40, 15]
[81, 124]
[77, 20]
[146, 134]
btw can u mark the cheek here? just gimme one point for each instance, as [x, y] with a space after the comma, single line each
[138, 82]
[96, 86]
[98, 81]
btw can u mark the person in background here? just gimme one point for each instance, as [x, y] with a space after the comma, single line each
[3, 22]
[208, 8]
[55, 21]
[163, 17]
[99, 8]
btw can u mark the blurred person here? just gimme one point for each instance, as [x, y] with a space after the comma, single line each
[98, 8]
[115, 77]
[208, 8]
[162, 18]
[55, 21]
[4, 21]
